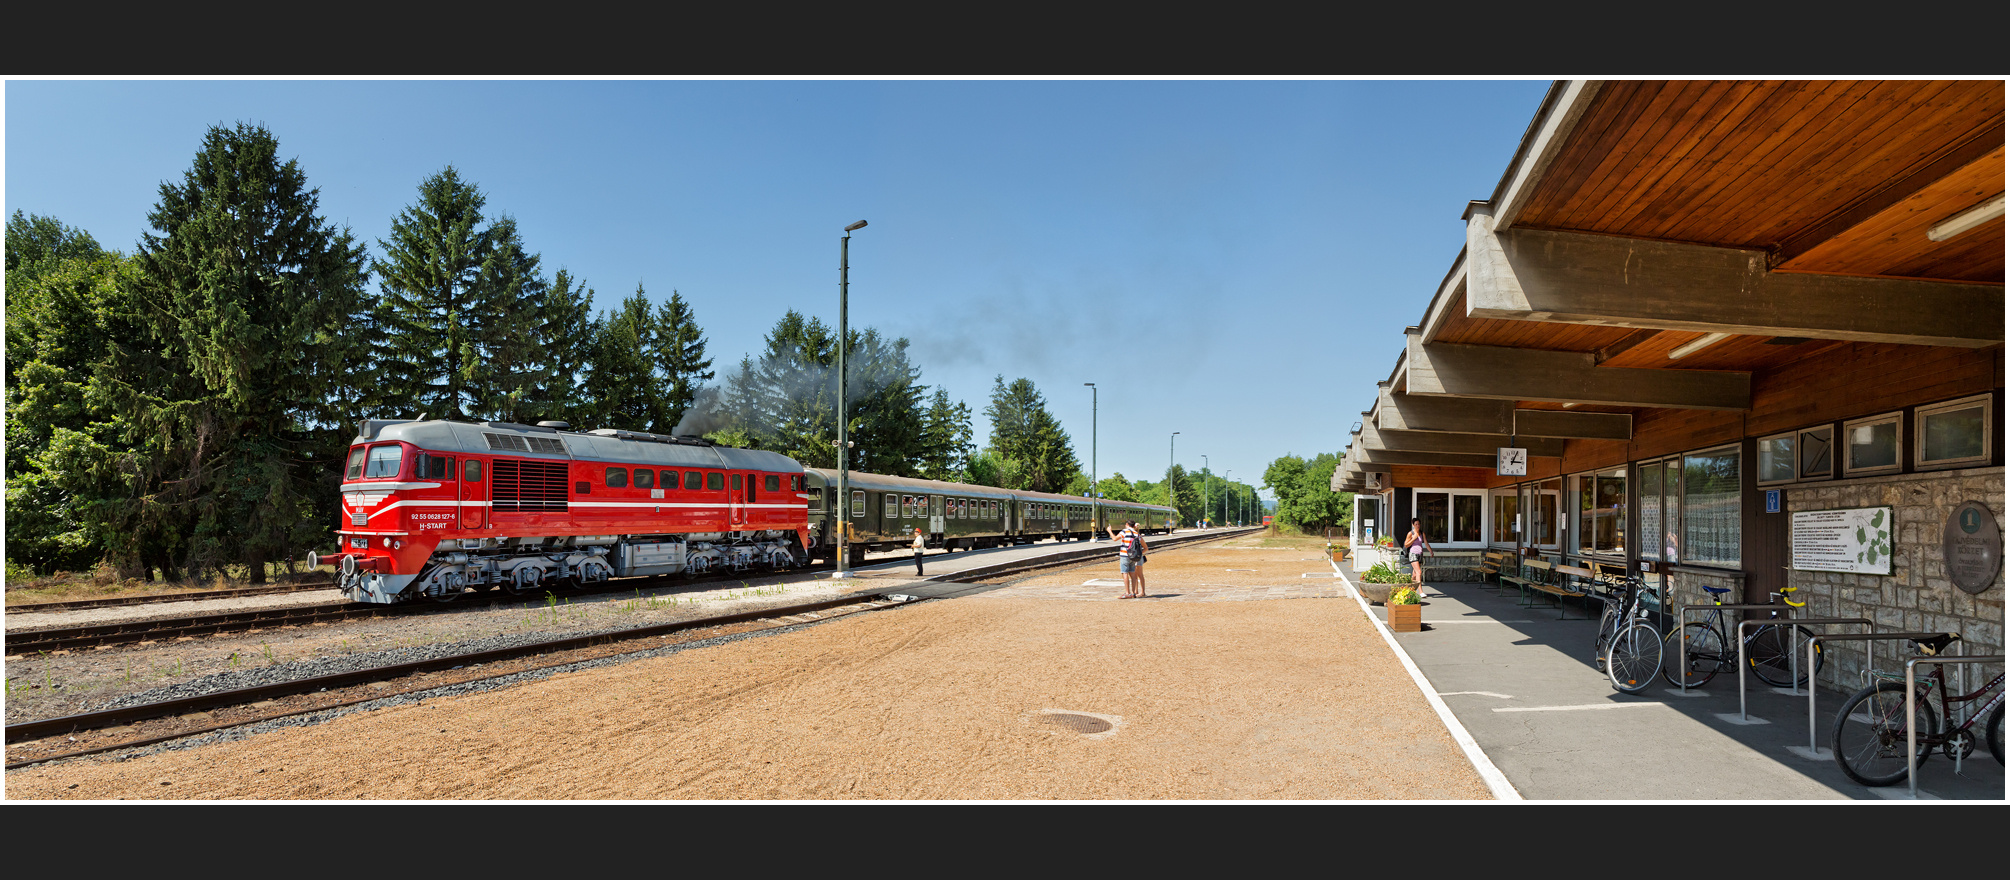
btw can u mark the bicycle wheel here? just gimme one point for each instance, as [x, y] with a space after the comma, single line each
[1634, 657]
[1706, 655]
[1869, 734]
[1995, 728]
[1775, 655]
[1607, 625]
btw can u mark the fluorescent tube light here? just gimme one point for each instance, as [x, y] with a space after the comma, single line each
[1966, 220]
[1691, 347]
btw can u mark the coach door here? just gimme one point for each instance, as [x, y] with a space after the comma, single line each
[474, 494]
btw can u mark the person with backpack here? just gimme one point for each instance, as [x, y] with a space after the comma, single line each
[1131, 560]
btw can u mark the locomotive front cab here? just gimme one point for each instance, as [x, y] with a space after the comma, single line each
[397, 499]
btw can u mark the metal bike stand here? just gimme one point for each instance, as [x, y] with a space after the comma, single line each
[1795, 674]
[1911, 734]
[1682, 626]
[1869, 658]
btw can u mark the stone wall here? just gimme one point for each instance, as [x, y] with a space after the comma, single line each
[1917, 596]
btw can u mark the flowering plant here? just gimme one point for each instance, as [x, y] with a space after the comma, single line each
[1402, 596]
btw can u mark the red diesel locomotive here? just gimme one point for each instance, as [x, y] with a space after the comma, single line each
[436, 509]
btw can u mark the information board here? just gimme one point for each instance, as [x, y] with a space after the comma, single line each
[1855, 540]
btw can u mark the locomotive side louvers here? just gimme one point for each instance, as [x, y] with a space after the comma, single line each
[528, 485]
[515, 443]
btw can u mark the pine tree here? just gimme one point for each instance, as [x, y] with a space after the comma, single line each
[508, 332]
[1023, 431]
[621, 384]
[431, 278]
[946, 433]
[679, 349]
[245, 302]
[570, 337]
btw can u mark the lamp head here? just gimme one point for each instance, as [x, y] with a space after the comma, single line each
[855, 226]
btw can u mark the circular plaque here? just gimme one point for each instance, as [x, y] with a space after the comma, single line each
[1972, 545]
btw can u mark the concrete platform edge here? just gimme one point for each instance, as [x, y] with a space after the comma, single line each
[1496, 781]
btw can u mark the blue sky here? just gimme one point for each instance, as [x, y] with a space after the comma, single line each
[1225, 259]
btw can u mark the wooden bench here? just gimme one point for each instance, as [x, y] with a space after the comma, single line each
[1490, 565]
[1539, 576]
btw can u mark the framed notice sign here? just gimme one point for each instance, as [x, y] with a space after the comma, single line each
[1855, 540]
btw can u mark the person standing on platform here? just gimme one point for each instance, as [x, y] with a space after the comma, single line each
[1414, 546]
[920, 544]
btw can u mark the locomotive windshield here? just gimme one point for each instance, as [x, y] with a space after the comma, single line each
[384, 461]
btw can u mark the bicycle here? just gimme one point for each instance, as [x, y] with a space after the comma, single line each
[1633, 652]
[1868, 737]
[1775, 651]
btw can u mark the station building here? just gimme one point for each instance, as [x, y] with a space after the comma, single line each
[1750, 335]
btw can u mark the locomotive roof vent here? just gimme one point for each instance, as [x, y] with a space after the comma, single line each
[562, 426]
[646, 437]
[541, 428]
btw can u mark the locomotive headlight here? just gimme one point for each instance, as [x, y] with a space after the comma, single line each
[398, 544]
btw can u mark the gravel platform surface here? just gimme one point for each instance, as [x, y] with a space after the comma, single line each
[1228, 684]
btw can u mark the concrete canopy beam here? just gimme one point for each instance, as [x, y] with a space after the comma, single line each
[1576, 278]
[1494, 372]
[1397, 411]
[1470, 444]
[1383, 457]
[1574, 425]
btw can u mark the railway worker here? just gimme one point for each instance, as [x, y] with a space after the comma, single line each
[920, 544]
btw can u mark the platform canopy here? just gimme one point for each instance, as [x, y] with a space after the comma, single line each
[1654, 245]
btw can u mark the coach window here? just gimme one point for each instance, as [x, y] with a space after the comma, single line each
[715, 481]
[645, 478]
[736, 482]
[858, 503]
[617, 478]
[694, 480]
[432, 467]
[1951, 434]
[892, 505]
[669, 479]
[473, 471]
[796, 483]
[935, 505]
[355, 464]
[774, 483]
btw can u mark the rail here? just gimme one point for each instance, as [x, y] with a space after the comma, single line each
[1911, 724]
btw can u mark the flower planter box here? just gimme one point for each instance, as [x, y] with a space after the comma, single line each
[1406, 618]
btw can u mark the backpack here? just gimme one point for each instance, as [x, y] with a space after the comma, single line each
[1134, 547]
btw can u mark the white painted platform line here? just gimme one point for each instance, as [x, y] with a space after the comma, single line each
[1475, 694]
[1497, 782]
[1581, 708]
[1102, 582]
[1440, 622]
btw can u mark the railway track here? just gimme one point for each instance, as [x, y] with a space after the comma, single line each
[120, 601]
[34, 742]
[30, 742]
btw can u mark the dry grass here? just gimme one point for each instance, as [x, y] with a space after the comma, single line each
[26, 588]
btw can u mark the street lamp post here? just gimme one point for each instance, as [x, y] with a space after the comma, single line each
[1095, 492]
[841, 515]
[1206, 512]
[1172, 500]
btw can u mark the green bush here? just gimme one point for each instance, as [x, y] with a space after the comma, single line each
[1384, 573]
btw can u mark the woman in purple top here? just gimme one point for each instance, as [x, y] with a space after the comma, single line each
[1415, 547]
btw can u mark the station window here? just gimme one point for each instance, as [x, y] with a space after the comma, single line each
[617, 478]
[1951, 434]
[1601, 512]
[1451, 517]
[1873, 446]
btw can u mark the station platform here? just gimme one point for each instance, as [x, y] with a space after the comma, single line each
[1523, 684]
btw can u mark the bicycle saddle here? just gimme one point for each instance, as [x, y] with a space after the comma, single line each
[1936, 644]
[1717, 591]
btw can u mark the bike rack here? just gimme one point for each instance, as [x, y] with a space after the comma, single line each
[1795, 674]
[1912, 735]
[1869, 658]
[1682, 626]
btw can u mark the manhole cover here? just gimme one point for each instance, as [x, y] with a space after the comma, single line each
[1078, 723]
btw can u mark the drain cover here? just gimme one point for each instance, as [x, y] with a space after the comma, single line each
[1078, 723]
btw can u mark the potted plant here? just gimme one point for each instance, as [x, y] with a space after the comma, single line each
[1406, 614]
[1376, 582]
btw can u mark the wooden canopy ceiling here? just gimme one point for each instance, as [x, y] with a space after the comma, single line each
[1769, 220]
